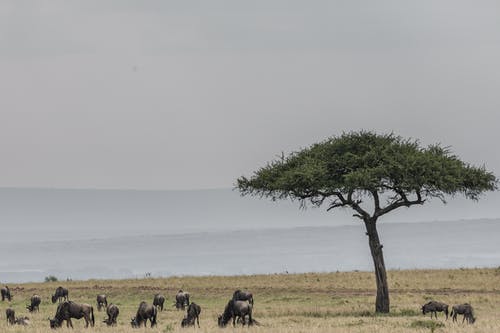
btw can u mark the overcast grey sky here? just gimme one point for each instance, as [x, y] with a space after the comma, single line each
[193, 94]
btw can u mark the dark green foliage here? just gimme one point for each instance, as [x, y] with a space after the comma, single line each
[346, 168]
[50, 278]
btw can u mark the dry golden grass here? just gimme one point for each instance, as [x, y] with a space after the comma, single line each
[333, 302]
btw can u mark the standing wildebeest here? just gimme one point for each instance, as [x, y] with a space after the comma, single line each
[144, 313]
[68, 310]
[463, 309]
[435, 307]
[5, 291]
[181, 299]
[35, 302]
[158, 301]
[102, 302]
[236, 309]
[112, 312]
[60, 294]
[193, 312]
[11, 316]
[239, 295]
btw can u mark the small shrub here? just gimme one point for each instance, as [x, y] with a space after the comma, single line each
[50, 278]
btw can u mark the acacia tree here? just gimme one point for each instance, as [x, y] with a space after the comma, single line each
[386, 171]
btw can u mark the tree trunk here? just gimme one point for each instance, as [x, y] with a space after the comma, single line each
[382, 301]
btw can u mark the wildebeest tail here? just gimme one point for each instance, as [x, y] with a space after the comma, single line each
[92, 316]
[446, 312]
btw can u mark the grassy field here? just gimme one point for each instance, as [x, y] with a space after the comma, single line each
[333, 302]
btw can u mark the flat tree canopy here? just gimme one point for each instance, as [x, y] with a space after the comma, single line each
[387, 170]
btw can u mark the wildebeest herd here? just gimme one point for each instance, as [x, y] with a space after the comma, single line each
[433, 307]
[238, 308]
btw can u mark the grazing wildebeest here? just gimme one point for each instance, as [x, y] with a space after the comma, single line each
[5, 291]
[193, 312]
[158, 301]
[144, 313]
[181, 300]
[239, 295]
[465, 310]
[102, 302]
[236, 310]
[68, 310]
[35, 303]
[60, 294]
[434, 307]
[112, 311]
[11, 316]
[25, 321]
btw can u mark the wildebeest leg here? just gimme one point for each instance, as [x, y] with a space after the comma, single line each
[198, 320]
[86, 321]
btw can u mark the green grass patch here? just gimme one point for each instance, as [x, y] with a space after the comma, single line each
[429, 324]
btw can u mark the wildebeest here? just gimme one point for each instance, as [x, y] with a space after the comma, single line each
[35, 303]
[68, 310]
[158, 301]
[239, 295]
[465, 310]
[11, 316]
[144, 312]
[181, 300]
[236, 309]
[102, 302]
[434, 307]
[5, 291]
[60, 295]
[193, 312]
[112, 311]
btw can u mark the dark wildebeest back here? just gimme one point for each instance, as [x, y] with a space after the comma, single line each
[102, 302]
[5, 291]
[193, 313]
[10, 314]
[35, 303]
[144, 312]
[68, 310]
[465, 310]
[239, 295]
[236, 309]
[158, 301]
[112, 311]
[181, 300]
[60, 295]
[434, 307]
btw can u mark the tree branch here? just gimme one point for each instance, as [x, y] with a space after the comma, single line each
[401, 202]
[376, 200]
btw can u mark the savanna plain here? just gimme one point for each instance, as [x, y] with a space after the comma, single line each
[312, 302]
